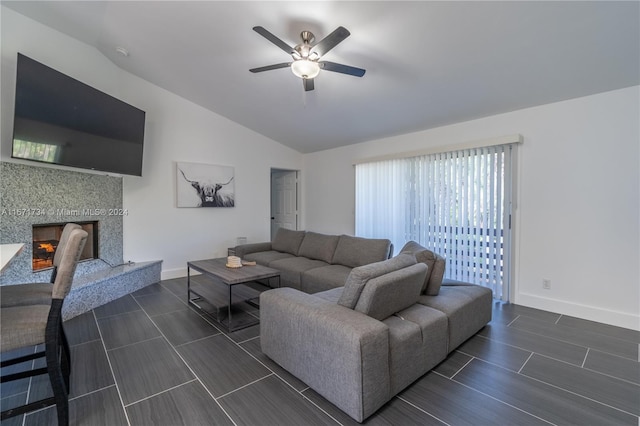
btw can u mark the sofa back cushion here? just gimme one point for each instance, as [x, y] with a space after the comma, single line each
[360, 276]
[387, 294]
[434, 262]
[437, 274]
[287, 241]
[356, 251]
[318, 246]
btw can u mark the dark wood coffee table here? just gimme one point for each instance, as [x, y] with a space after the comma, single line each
[244, 279]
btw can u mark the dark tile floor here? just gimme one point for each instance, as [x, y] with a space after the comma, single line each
[149, 359]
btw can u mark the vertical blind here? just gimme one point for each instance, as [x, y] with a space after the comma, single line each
[454, 203]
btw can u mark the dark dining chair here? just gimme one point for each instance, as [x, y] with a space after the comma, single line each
[28, 326]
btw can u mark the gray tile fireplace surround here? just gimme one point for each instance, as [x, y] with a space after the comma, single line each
[40, 195]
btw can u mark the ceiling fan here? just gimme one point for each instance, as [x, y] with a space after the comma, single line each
[306, 56]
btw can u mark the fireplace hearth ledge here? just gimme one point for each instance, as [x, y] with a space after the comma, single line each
[98, 288]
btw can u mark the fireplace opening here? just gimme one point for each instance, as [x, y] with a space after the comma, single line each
[47, 236]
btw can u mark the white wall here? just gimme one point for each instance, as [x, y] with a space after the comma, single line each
[578, 214]
[176, 130]
[182, 131]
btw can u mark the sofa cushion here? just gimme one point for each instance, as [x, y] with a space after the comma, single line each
[435, 263]
[318, 246]
[324, 277]
[417, 343]
[332, 295]
[405, 352]
[360, 276]
[245, 249]
[435, 332]
[355, 251]
[435, 280]
[287, 241]
[292, 268]
[422, 255]
[266, 257]
[468, 308]
[390, 293]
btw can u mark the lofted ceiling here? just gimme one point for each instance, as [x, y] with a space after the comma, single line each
[428, 63]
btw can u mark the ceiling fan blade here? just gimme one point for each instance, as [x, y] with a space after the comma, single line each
[308, 84]
[275, 40]
[344, 69]
[330, 41]
[271, 67]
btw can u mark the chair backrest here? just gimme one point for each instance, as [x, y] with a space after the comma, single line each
[67, 268]
[66, 232]
[57, 257]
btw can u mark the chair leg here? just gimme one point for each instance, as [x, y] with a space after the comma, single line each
[55, 353]
[66, 358]
[54, 368]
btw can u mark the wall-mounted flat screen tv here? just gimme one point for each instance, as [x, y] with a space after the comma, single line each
[59, 120]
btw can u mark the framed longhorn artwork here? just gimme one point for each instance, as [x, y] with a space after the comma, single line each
[204, 185]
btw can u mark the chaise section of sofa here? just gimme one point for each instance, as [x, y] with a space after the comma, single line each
[361, 344]
[313, 262]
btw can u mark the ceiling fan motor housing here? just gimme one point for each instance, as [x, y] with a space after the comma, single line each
[307, 37]
[303, 50]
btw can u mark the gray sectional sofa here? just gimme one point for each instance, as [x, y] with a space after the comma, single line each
[360, 344]
[314, 262]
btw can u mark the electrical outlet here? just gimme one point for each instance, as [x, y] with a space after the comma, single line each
[546, 284]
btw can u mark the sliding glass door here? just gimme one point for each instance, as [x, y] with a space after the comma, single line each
[456, 203]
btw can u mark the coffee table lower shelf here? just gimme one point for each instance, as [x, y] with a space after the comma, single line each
[220, 311]
[226, 295]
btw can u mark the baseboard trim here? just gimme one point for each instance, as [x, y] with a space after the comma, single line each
[169, 274]
[591, 313]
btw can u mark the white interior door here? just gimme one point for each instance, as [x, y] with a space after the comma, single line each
[284, 200]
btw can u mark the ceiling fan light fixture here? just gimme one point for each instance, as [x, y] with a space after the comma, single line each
[304, 68]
